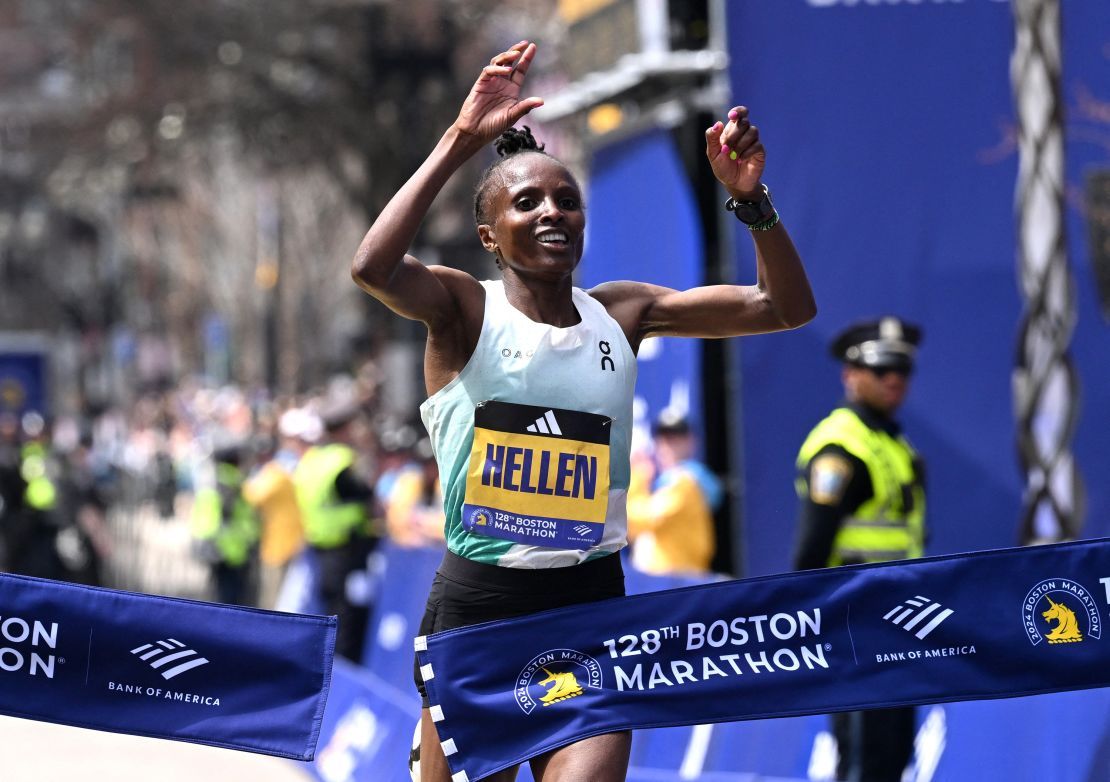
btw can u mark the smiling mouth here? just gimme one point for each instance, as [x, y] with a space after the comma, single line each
[553, 238]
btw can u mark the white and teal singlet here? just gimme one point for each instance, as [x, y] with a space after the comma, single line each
[533, 437]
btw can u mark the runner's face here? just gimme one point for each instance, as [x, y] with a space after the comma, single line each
[539, 223]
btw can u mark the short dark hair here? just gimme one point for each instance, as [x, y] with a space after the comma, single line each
[509, 143]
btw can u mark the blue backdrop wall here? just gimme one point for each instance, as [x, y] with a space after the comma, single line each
[643, 225]
[1087, 90]
[891, 156]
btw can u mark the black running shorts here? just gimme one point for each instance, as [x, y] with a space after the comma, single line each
[466, 593]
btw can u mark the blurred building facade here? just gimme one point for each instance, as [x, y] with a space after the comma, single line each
[183, 183]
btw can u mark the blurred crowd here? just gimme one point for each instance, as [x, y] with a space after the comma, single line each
[243, 471]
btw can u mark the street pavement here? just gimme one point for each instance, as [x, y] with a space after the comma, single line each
[41, 752]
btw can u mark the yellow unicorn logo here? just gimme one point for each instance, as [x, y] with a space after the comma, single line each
[563, 686]
[1067, 629]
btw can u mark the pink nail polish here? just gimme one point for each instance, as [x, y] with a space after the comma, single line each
[733, 114]
[724, 149]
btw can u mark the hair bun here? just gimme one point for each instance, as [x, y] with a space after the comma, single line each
[513, 141]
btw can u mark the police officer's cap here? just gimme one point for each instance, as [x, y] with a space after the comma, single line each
[671, 422]
[886, 342]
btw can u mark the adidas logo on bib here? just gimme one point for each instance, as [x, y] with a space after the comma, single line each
[546, 424]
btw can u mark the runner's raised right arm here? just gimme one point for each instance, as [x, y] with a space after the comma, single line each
[381, 265]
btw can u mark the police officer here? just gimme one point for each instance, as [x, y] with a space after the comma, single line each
[227, 528]
[12, 487]
[335, 502]
[862, 494]
[38, 519]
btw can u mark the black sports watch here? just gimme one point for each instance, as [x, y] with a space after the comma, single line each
[752, 212]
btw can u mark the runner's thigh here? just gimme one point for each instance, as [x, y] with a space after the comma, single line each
[596, 759]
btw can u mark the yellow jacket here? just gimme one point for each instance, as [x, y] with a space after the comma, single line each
[271, 490]
[671, 529]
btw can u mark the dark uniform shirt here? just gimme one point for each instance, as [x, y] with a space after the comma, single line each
[349, 487]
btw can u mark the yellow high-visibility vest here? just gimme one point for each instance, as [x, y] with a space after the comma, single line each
[328, 522]
[891, 524]
[40, 493]
[235, 537]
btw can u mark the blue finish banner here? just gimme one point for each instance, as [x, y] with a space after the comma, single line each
[368, 727]
[232, 677]
[994, 624]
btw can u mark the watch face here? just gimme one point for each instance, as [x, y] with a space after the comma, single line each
[751, 212]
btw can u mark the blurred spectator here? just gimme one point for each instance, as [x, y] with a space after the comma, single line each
[84, 542]
[270, 489]
[335, 502]
[414, 510]
[12, 485]
[395, 459]
[226, 528]
[671, 501]
[165, 481]
[34, 529]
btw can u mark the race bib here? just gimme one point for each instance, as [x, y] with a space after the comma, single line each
[538, 475]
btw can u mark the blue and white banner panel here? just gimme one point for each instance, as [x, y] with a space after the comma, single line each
[232, 677]
[993, 624]
[368, 727]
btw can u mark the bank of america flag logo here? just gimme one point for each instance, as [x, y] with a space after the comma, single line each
[909, 614]
[582, 529]
[162, 653]
[545, 424]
